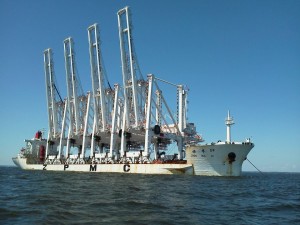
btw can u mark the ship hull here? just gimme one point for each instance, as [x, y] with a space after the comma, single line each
[164, 168]
[221, 159]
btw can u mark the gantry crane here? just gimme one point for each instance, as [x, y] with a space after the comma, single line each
[78, 106]
[144, 103]
[105, 101]
[135, 88]
[56, 107]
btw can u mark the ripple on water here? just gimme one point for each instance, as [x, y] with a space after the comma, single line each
[44, 197]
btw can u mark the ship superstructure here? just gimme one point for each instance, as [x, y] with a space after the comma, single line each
[129, 127]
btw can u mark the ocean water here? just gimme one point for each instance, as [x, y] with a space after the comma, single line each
[45, 197]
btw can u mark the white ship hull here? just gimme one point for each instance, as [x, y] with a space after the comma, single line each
[219, 159]
[205, 160]
[151, 168]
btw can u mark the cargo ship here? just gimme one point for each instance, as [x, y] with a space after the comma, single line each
[127, 128]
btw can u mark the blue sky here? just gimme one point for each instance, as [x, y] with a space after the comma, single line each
[237, 55]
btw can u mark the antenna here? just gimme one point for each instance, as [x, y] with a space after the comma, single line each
[229, 121]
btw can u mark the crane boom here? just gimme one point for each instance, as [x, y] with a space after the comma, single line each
[72, 86]
[97, 74]
[50, 92]
[128, 70]
[55, 105]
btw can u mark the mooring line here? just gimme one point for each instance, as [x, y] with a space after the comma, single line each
[255, 166]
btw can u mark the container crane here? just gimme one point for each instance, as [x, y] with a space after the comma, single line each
[135, 89]
[56, 108]
[104, 99]
[78, 106]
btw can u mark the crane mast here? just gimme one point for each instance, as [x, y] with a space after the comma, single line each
[55, 104]
[78, 105]
[51, 93]
[103, 97]
[97, 74]
[182, 105]
[116, 120]
[72, 86]
[133, 102]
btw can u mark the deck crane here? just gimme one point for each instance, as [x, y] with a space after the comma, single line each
[105, 100]
[56, 108]
[78, 107]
